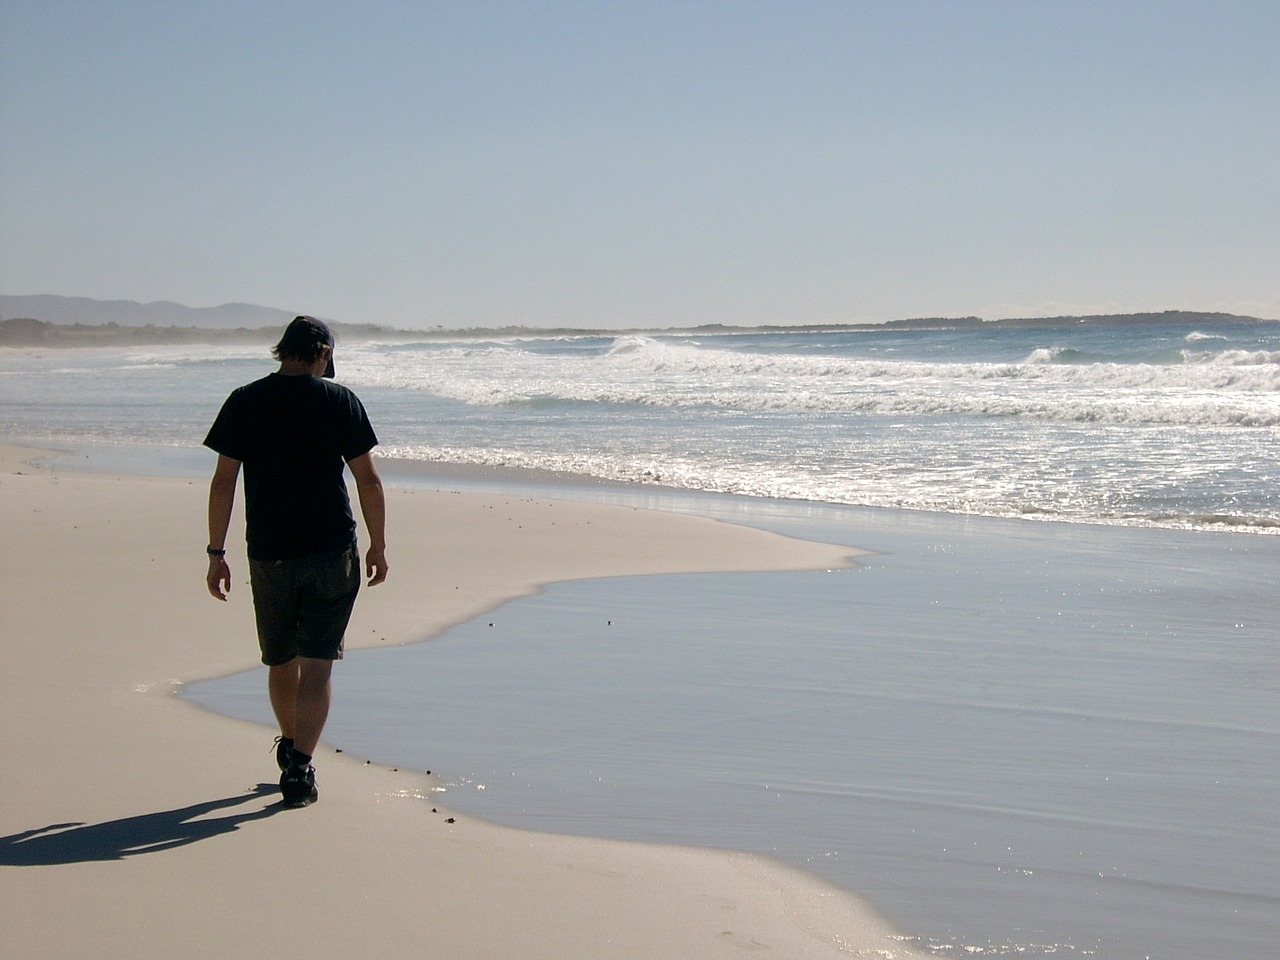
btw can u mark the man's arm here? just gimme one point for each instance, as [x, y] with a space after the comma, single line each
[222, 497]
[373, 504]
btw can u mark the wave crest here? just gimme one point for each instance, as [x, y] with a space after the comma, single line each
[1233, 388]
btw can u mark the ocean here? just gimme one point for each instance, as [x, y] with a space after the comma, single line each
[1042, 718]
[1169, 425]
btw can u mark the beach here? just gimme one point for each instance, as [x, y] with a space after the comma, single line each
[1036, 718]
[135, 824]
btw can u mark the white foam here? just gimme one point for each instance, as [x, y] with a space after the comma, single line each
[1238, 388]
[1188, 441]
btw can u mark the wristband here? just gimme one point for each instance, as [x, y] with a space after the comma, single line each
[215, 553]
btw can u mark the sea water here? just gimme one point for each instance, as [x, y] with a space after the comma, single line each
[1162, 424]
[1017, 738]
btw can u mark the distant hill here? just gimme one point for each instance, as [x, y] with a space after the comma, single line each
[1164, 316]
[127, 313]
[52, 321]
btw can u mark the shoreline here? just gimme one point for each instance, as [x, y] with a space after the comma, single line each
[149, 460]
[106, 617]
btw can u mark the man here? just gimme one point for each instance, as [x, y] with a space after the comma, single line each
[293, 431]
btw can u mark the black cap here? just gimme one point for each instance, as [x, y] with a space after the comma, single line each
[301, 338]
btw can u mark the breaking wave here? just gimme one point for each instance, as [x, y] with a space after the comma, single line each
[1232, 388]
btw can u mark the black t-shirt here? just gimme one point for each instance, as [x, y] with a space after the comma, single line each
[294, 435]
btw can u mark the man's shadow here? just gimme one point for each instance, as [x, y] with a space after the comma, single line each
[130, 836]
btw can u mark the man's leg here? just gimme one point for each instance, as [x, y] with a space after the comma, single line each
[327, 585]
[311, 706]
[310, 711]
[282, 688]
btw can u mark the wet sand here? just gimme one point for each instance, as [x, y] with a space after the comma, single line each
[134, 824]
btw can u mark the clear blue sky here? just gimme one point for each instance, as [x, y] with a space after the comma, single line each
[644, 163]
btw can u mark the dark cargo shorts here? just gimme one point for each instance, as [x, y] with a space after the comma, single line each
[302, 606]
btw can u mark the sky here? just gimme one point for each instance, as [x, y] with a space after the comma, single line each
[644, 163]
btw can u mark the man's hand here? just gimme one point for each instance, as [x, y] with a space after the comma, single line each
[222, 495]
[373, 504]
[218, 579]
[375, 566]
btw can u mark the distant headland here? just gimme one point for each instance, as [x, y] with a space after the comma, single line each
[53, 321]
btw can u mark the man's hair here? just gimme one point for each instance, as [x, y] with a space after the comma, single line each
[303, 340]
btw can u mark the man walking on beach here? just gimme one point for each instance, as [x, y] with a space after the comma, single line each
[293, 431]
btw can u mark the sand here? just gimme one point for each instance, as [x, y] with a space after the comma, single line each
[136, 824]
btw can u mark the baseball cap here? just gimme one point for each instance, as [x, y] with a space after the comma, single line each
[301, 337]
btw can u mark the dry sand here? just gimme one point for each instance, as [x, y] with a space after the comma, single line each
[135, 824]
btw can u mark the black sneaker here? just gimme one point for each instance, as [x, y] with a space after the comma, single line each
[284, 753]
[298, 786]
